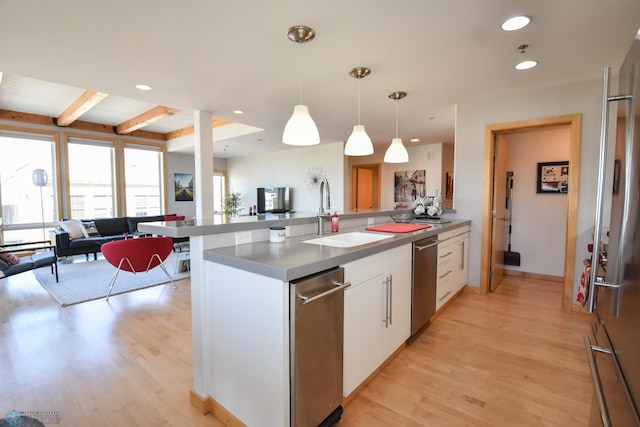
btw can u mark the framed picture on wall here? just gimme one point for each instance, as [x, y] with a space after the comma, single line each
[183, 184]
[553, 178]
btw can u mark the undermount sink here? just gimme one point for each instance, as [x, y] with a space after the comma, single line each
[348, 240]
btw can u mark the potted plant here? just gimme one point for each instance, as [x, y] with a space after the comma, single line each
[232, 203]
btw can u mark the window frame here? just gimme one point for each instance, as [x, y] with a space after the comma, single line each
[151, 146]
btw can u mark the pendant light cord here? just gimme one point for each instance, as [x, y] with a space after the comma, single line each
[396, 118]
[300, 75]
[359, 100]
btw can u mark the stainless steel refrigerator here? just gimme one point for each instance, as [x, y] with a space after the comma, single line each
[614, 348]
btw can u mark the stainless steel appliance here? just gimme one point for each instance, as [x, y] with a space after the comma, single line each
[425, 271]
[614, 290]
[316, 334]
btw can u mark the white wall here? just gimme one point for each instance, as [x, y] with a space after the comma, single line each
[289, 168]
[428, 157]
[583, 98]
[539, 220]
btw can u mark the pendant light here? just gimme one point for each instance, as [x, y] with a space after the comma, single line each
[301, 129]
[396, 153]
[359, 143]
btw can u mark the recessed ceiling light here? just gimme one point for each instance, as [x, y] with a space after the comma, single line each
[516, 23]
[415, 139]
[525, 65]
[143, 87]
[238, 112]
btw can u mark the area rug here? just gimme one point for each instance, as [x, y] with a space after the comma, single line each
[86, 281]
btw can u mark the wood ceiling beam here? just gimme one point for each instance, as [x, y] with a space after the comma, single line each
[189, 130]
[145, 119]
[84, 103]
[36, 119]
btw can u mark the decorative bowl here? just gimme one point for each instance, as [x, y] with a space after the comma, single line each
[405, 217]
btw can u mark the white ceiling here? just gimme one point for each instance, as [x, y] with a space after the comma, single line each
[222, 55]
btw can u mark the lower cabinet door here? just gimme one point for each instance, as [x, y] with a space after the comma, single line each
[362, 332]
[398, 329]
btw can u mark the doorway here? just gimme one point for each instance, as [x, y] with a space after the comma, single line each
[492, 219]
[365, 186]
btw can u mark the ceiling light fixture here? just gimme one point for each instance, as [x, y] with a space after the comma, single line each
[528, 64]
[239, 112]
[515, 23]
[359, 143]
[143, 87]
[301, 129]
[396, 153]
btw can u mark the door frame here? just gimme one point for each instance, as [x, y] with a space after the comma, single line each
[573, 121]
[377, 172]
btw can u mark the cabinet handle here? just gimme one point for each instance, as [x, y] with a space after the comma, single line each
[462, 256]
[445, 274]
[444, 296]
[446, 255]
[390, 302]
[339, 287]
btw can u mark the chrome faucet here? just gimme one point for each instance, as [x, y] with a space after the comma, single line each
[321, 213]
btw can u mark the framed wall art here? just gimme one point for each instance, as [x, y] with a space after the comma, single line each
[183, 184]
[553, 178]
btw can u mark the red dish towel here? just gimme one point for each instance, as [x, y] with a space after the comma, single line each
[399, 227]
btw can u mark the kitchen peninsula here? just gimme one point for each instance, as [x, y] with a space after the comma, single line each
[240, 301]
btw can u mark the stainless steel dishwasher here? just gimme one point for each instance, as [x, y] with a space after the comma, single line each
[316, 341]
[423, 289]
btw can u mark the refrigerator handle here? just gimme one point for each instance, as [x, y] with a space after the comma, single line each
[602, 162]
[597, 384]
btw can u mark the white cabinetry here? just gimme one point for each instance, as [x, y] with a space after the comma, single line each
[460, 248]
[453, 254]
[377, 311]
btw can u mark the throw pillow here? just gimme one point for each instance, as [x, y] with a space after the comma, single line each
[91, 229]
[174, 217]
[4, 265]
[9, 258]
[74, 228]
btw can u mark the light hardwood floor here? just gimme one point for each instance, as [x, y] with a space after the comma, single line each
[512, 358]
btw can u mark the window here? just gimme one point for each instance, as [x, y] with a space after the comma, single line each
[144, 189]
[27, 210]
[219, 190]
[91, 174]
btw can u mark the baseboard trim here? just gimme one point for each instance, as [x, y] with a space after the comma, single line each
[538, 276]
[210, 406]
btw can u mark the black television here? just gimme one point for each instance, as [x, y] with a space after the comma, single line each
[274, 200]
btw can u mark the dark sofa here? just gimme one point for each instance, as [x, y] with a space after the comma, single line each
[109, 229]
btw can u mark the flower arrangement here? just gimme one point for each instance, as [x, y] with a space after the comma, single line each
[431, 206]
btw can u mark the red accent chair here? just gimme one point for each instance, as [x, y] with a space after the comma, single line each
[137, 255]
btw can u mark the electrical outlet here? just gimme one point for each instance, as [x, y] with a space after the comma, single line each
[243, 237]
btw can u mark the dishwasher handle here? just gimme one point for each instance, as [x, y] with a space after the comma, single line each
[339, 287]
[430, 245]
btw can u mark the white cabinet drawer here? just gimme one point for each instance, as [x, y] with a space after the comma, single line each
[363, 269]
[398, 256]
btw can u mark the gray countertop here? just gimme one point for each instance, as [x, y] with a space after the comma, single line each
[294, 259]
[218, 224]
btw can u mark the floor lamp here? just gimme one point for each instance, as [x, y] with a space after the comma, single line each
[39, 177]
